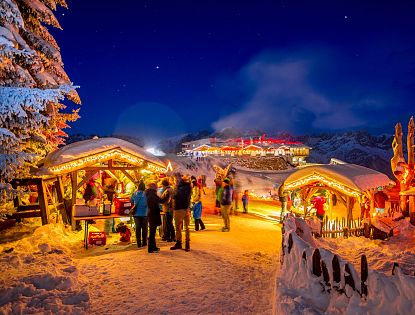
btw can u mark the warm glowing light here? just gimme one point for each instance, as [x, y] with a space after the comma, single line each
[169, 167]
[98, 158]
[328, 182]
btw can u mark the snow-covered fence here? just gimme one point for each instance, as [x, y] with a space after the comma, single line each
[340, 227]
[332, 285]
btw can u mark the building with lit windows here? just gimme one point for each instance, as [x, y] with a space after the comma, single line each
[293, 152]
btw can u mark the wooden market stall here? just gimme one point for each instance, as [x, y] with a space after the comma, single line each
[113, 156]
[349, 182]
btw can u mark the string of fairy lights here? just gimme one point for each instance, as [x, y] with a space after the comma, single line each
[97, 158]
[327, 181]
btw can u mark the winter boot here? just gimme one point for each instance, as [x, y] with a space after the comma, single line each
[178, 245]
[187, 246]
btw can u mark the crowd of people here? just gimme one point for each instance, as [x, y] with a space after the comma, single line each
[177, 197]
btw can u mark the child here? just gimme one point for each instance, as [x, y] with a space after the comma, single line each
[245, 199]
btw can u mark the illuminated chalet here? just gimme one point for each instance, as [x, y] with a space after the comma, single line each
[293, 151]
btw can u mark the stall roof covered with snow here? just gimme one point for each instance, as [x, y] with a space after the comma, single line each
[351, 179]
[78, 155]
[349, 182]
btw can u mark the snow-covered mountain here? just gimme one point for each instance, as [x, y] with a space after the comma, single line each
[358, 147]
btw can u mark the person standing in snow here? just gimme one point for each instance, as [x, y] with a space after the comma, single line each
[218, 188]
[139, 202]
[245, 201]
[197, 204]
[167, 203]
[181, 199]
[226, 204]
[154, 218]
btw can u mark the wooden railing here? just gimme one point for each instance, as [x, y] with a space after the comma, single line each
[340, 227]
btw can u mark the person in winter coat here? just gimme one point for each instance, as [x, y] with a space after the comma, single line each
[318, 203]
[197, 205]
[245, 200]
[226, 204]
[380, 200]
[218, 188]
[154, 218]
[167, 203]
[181, 199]
[139, 202]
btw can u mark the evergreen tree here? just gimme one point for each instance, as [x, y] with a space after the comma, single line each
[32, 85]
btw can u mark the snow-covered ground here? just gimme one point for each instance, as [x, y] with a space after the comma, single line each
[48, 271]
[380, 254]
[299, 291]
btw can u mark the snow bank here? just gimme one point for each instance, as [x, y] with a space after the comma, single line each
[38, 273]
[381, 255]
[300, 291]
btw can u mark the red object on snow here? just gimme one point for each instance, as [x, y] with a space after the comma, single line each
[97, 238]
[122, 206]
[125, 236]
[318, 203]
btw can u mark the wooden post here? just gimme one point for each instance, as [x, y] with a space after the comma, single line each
[74, 184]
[348, 277]
[43, 203]
[290, 243]
[364, 270]
[349, 211]
[336, 272]
[61, 199]
[316, 263]
[395, 267]
[326, 276]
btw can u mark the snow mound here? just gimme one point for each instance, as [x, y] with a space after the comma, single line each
[301, 291]
[39, 274]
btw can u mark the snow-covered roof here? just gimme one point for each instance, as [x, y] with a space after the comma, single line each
[89, 152]
[352, 179]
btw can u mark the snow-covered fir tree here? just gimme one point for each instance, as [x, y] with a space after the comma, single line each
[32, 85]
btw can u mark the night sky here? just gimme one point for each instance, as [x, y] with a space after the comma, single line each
[168, 67]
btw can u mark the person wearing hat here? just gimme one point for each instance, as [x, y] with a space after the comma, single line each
[154, 218]
[181, 199]
[226, 204]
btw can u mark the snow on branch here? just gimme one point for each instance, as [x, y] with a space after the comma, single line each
[15, 100]
[10, 13]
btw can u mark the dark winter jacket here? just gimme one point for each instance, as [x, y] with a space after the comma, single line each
[153, 204]
[226, 196]
[182, 195]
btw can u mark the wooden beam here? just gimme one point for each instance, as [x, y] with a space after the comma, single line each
[84, 180]
[112, 175]
[129, 176]
[341, 199]
[103, 168]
